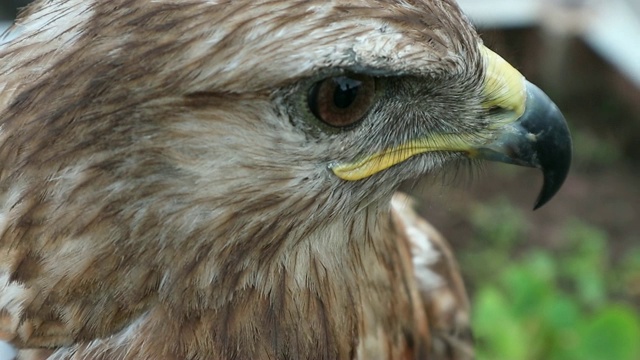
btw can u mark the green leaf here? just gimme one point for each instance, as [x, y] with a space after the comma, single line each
[562, 313]
[499, 335]
[562, 319]
[613, 334]
[587, 263]
[530, 284]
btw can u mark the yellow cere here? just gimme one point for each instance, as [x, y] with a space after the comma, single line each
[504, 85]
[504, 88]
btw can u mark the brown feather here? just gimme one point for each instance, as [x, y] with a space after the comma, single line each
[439, 281]
[157, 203]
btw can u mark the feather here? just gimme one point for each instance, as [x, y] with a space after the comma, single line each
[164, 194]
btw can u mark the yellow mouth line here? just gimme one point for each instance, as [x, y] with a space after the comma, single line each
[393, 156]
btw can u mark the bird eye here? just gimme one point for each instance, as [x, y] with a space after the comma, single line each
[342, 100]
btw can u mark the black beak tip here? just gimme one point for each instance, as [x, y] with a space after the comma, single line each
[551, 184]
[553, 146]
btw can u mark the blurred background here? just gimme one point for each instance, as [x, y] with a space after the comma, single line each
[562, 282]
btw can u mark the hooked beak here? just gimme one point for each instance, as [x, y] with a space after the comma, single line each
[532, 131]
[539, 138]
[526, 128]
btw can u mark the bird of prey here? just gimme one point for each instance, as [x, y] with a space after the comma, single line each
[216, 179]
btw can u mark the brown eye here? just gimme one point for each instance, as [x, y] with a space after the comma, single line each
[343, 100]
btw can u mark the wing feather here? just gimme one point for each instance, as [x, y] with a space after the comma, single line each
[439, 282]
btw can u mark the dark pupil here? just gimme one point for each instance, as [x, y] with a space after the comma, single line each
[345, 92]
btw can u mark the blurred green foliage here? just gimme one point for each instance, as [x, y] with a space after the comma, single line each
[565, 304]
[593, 150]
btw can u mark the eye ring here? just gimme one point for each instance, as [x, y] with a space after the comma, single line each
[342, 101]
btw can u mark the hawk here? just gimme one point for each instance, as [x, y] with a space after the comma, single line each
[216, 179]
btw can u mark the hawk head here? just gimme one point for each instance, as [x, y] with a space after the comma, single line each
[233, 161]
